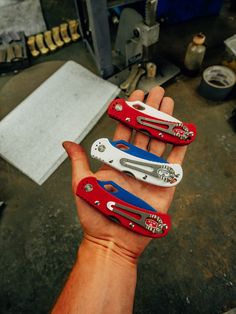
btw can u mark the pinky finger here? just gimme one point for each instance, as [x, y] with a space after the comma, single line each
[177, 154]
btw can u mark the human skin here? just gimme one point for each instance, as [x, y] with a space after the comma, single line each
[103, 278]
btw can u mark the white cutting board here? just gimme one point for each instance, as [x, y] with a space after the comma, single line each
[65, 107]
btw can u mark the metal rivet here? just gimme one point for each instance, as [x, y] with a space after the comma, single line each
[131, 225]
[118, 107]
[160, 134]
[127, 119]
[97, 203]
[88, 187]
[101, 148]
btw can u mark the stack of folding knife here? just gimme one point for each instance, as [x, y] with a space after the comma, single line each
[112, 200]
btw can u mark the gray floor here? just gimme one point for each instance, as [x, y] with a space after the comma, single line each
[190, 271]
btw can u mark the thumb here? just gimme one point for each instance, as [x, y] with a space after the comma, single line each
[79, 161]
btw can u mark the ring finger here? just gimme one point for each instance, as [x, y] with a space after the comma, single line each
[154, 100]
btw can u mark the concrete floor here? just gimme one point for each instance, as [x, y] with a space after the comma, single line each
[190, 271]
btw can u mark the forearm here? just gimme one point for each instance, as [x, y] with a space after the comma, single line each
[103, 280]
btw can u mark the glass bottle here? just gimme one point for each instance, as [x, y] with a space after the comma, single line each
[195, 54]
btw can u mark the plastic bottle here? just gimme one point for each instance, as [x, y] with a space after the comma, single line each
[195, 54]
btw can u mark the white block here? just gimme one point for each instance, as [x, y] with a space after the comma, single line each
[65, 107]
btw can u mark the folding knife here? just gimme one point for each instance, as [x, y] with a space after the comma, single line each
[137, 162]
[147, 119]
[123, 207]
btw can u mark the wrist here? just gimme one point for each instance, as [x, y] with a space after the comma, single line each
[109, 250]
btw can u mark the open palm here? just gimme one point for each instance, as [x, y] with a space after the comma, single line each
[97, 227]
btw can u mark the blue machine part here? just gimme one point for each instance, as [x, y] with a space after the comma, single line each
[126, 196]
[177, 11]
[138, 152]
[174, 11]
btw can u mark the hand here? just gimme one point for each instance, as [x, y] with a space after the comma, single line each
[97, 228]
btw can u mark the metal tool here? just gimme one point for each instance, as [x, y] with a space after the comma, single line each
[155, 123]
[133, 72]
[129, 85]
[137, 162]
[123, 207]
[134, 83]
[135, 35]
[10, 53]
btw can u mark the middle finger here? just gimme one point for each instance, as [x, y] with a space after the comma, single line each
[154, 100]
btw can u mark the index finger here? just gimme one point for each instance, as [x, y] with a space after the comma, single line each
[122, 132]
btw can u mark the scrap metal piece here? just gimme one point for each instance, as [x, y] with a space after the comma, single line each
[18, 52]
[56, 36]
[40, 44]
[64, 33]
[32, 46]
[3, 53]
[135, 81]
[48, 40]
[73, 28]
[10, 53]
[132, 74]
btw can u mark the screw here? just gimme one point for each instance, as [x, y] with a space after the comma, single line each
[97, 203]
[127, 119]
[118, 107]
[101, 148]
[131, 225]
[88, 187]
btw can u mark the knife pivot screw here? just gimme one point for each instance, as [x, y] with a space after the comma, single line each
[97, 203]
[131, 225]
[101, 148]
[88, 187]
[127, 119]
[118, 107]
